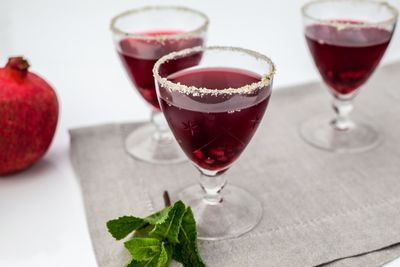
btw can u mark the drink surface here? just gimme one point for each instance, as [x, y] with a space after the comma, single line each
[139, 56]
[213, 130]
[346, 57]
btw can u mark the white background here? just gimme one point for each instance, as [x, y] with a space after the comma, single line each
[68, 42]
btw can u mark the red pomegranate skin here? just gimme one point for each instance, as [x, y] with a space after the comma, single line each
[28, 116]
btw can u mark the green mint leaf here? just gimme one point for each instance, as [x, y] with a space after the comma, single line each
[123, 226]
[169, 229]
[187, 251]
[158, 217]
[143, 248]
[161, 258]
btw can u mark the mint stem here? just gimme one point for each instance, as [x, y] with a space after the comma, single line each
[167, 199]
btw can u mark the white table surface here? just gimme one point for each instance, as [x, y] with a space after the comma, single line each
[42, 220]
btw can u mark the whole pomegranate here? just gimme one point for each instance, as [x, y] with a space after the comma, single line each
[28, 116]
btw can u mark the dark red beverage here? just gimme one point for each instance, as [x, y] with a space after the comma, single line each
[139, 56]
[213, 130]
[346, 57]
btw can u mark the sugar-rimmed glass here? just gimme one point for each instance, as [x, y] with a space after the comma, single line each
[213, 108]
[141, 36]
[347, 39]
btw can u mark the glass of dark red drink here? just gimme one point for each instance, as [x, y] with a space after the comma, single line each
[213, 109]
[347, 39]
[141, 37]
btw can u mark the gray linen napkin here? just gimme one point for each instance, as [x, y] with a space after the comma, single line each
[319, 207]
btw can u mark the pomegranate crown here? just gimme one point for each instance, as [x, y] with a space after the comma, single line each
[18, 63]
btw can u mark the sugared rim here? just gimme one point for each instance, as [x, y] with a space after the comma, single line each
[391, 20]
[194, 32]
[266, 78]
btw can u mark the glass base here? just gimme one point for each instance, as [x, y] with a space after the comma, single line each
[143, 145]
[237, 213]
[320, 133]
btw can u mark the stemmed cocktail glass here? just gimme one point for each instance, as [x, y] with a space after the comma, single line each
[347, 39]
[213, 108]
[141, 37]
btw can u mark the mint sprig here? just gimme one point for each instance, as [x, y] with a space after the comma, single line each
[165, 235]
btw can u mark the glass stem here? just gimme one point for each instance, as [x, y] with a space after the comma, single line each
[212, 185]
[162, 133]
[342, 108]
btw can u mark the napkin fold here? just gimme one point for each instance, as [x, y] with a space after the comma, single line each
[320, 208]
